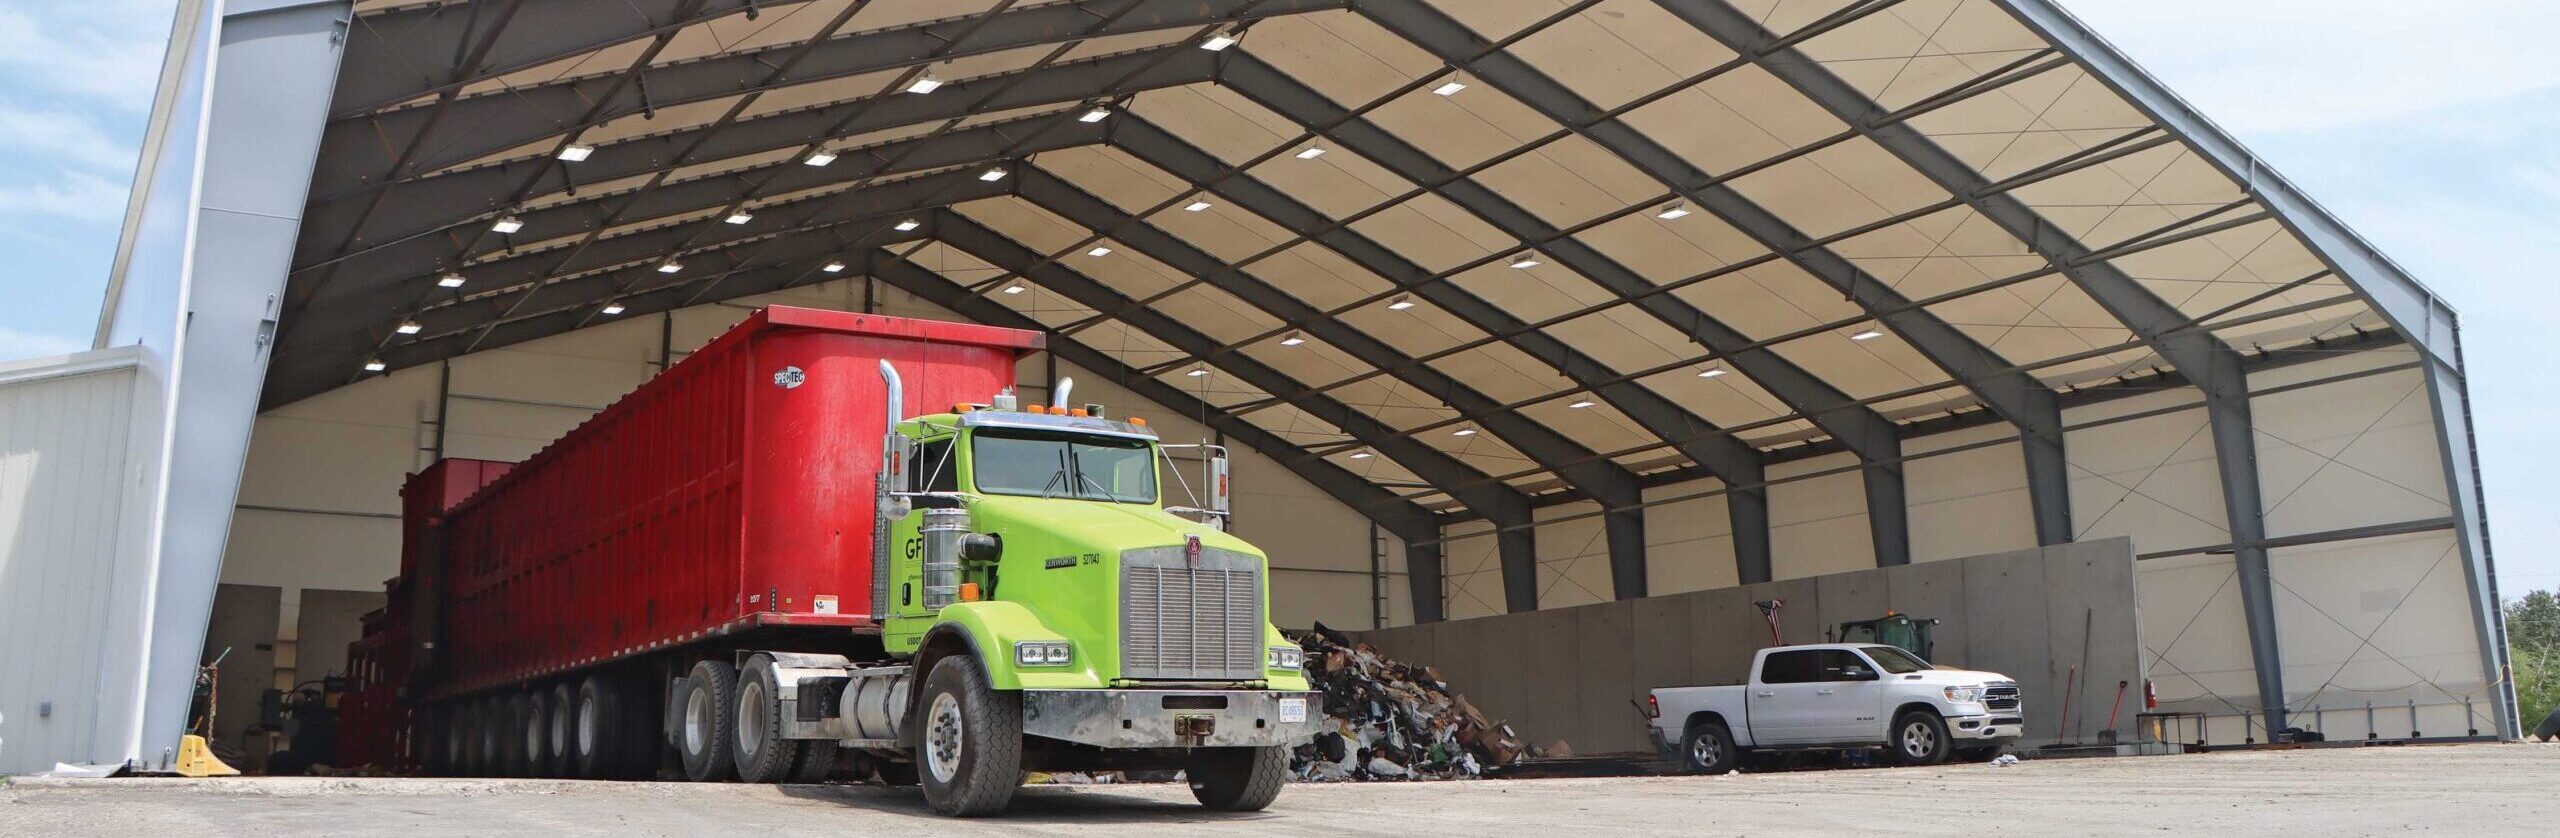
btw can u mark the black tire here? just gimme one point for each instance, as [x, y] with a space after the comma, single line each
[564, 717]
[1985, 753]
[487, 720]
[1707, 748]
[508, 712]
[599, 738]
[534, 717]
[706, 722]
[462, 742]
[1918, 737]
[1238, 779]
[762, 755]
[968, 740]
[817, 763]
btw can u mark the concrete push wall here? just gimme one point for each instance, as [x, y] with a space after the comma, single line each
[2052, 618]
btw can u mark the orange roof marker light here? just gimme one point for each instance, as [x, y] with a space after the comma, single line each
[1078, 412]
[962, 407]
[1137, 421]
[968, 592]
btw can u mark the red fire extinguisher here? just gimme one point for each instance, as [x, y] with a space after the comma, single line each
[2150, 695]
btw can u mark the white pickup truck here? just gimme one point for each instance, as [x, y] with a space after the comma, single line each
[1839, 696]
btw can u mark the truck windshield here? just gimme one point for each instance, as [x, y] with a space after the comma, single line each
[1052, 465]
[1894, 661]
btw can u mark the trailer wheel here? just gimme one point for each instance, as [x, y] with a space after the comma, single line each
[1708, 749]
[564, 720]
[597, 738]
[487, 726]
[534, 718]
[706, 735]
[968, 740]
[1919, 738]
[762, 755]
[507, 723]
[1238, 779]
[459, 740]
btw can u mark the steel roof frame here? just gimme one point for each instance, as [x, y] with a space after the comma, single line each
[386, 48]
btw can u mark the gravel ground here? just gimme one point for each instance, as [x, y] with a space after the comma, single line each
[2466, 790]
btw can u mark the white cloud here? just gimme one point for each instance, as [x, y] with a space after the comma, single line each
[62, 136]
[2291, 65]
[98, 51]
[15, 344]
[75, 196]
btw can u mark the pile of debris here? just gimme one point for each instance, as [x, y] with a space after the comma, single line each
[1386, 720]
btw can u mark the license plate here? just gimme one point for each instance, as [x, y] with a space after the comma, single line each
[1293, 710]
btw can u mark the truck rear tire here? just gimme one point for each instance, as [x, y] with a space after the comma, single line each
[506, 714]
[1918, 737]
[534, 717]
[1238, 779]
[564, 720]
[488, 720]
[762, 755]
[1708, 749]
[707, 721]
[968, 740]
[462, 732]
[598, 737]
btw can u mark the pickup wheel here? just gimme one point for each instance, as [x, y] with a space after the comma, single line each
[968, 740]
[1708, 749]
[1918, 738]
[763, 756]
[1238, 779]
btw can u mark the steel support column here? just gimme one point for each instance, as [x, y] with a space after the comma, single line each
[2448, 393]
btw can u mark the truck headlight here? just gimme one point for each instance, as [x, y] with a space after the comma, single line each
[1288, 657]
[1042, 653]
[1964, 695]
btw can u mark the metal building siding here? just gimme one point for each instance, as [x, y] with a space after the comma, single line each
[62, 450]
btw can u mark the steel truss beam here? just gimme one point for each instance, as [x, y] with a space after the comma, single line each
[1870, 434]
[517, 116]
[434, 203]
[2195, 352]
[1570, 461]
[388, 49]
[1496, 502]
[1727, 458]
[1418, 527]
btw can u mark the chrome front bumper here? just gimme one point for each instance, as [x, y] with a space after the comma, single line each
[1172, 718]
[1997, 724]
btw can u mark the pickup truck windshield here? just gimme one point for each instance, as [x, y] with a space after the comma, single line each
[1894, 661]
[1049, 465]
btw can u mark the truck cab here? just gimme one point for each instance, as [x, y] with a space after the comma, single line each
[1839, 696]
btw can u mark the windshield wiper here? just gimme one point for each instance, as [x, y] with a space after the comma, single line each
[1056, 477]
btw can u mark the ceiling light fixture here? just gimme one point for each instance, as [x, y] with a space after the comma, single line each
[1710, 372]
[820, 157]
[833, 267]
[924, 84]
[1221, 40]
[1311, 153]
[1098, 251]
[1293, 339]
[1463, 432]
[408, 327]
[1869, 334]
[908, 225]
[1671, 211]
[1095, 115]
[576, 153]
[449, 281]
[375, 365]
[1360, 455]
[740, 217]
[1015, 288]
[1400, 303]
[670, 266]
[1196, 206]
[1197, 372]
[613, 308]
[1525, 262]
[992, 175]
[506, 225]
[1449, 88]
[1582, 404]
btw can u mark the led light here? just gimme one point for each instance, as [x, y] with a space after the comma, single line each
[1710, 372]
[740, 217]
[907, 225]
[1043, 653]
[1869, 334]
[1400, 303]
[1463, 432]
[613, 308]
[1963, 695]
[1286, 657]
[670, 266]
[1026, 654]
[1311, 153]
[833, 267]
[1015, 288]
[450, 281]
[576, 153]
[1524, 262]
[375, 365]
[1293, 339]
[1054, 655]
[820, 157]
[1361, 455]
[1095, 115]
[924, 84]
[1450, 88]
[1196, 206]
[992, 175]
[1671, 211]
[1098, 251]
[408, 327]
[1219, 41]
[1197, 372]
[506, 225]
[1582, 404]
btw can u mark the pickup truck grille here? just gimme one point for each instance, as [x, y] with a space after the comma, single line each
[1181, 622]
[2000, 695]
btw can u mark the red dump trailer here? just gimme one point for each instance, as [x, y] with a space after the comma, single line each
[727, 502]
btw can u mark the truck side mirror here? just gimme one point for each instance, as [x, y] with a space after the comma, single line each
[896, 452]
[1221, 494]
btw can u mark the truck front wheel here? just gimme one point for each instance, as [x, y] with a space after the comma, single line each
[1238, 779]
[1919, 738]
[968, 740]
[1709, 749]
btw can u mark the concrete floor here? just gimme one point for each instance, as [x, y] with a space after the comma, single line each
[2467, 790]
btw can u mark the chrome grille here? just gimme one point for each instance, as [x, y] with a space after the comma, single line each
[2000, 695]
[1181, 622]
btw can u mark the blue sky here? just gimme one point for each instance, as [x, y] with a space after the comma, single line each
[2427, 126]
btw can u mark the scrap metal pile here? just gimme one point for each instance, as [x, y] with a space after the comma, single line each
[1387, 720]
